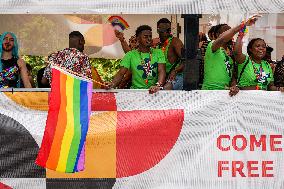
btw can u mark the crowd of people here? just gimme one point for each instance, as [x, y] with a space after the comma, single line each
[158, 65]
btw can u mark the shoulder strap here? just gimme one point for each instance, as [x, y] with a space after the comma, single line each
[175, 65]
[246, 63]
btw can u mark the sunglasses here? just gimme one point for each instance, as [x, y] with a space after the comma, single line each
[162, 30]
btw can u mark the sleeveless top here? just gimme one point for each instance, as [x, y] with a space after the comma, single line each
[165, 49]
[10, 74]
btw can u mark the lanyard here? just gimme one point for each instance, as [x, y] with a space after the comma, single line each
[146, 65]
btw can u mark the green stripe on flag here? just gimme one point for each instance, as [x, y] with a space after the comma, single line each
[77, 128]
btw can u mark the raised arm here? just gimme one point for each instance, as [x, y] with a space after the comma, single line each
[122, 40]
[225, 38]
[229, 34]
[239, 56]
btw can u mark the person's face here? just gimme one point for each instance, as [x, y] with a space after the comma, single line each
[145, 38]
[8, 43]
[164, 30]
[258, 49]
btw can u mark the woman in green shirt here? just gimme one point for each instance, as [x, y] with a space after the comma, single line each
[219, 73]
[254, 73]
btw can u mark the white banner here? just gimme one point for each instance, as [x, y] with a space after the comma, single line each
[176, 139]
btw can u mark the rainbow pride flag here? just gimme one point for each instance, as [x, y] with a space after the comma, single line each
[63, 144]
[118, 22]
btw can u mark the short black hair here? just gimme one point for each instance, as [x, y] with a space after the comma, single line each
[76, 34]
[211, 30]
[164, 21]
[217, 29]
[142, 28]
[251, 44]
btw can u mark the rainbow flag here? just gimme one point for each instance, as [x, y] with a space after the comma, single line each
[117, 21]
[63, 144]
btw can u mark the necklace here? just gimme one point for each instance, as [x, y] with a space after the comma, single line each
[258, 73]
[146, 65]
[165, 44]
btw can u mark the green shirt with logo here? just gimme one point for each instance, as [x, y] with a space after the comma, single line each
[254, 74]
[218, 69]
[144, 67]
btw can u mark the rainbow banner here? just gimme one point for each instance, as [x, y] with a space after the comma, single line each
[63, 144]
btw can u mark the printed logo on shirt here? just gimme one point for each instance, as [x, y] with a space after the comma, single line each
[264, 77]
[148, 69]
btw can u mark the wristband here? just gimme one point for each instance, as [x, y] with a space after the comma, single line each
[159, 84]
[243, 29]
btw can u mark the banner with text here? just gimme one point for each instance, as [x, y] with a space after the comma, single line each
[173, 139]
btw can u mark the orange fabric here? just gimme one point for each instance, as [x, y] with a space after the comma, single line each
[31, 100]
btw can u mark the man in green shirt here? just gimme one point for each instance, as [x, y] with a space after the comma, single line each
[146, 64]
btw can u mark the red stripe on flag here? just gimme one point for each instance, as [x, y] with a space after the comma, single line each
[144, 138]
[103, 102]
[55, 150]
[51, 120]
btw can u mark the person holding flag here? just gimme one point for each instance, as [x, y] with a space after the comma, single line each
[71, 59]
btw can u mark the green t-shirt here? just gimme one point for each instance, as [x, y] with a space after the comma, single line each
[251, 76]
[144, 69]
[218, 69]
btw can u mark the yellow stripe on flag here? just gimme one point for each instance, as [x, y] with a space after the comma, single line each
[69, 132]
[100, 149]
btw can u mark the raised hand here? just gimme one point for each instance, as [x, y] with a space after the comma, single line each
[251, 20]
[119, 35]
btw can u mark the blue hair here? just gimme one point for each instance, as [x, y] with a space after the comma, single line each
[15, 53]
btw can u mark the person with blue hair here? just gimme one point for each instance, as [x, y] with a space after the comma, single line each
[13, 70]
